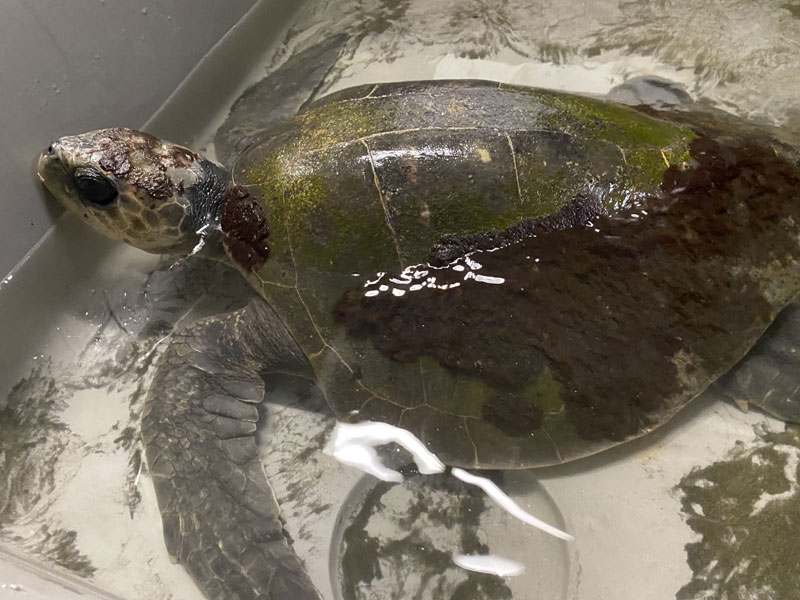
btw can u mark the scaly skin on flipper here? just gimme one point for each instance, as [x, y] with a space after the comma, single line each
[283, 91]
[220, 517]
[769, 376]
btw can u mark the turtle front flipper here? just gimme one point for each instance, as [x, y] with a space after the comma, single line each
[220, 517]
[768, 377]
[277, 97]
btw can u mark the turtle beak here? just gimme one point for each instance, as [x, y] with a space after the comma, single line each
[52, 169]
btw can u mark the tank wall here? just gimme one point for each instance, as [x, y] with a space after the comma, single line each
[66, 67]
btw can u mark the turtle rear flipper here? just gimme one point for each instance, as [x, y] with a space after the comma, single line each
[220, 517]
[769, 376]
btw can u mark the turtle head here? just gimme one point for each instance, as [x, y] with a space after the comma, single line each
[132, 186]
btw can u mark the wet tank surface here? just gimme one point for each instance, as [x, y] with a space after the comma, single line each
[702, 508]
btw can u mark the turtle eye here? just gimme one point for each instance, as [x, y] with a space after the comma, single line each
[93, 186]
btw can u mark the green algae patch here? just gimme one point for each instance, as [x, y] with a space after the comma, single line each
[648, 145]
[616, 123]
[329, 205]
[468, 213]
[546, 393]
[546, 185]
[447, 391]
[342, 121]
[746, 510]
[793, 8]
[288, 198]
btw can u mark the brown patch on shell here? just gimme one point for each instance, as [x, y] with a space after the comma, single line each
[511, 414]
[245, 229]
[633, 315]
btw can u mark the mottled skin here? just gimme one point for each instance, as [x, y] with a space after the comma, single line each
[520, 277]
[158, 201]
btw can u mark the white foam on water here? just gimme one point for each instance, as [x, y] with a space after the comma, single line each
[488, 563]
[499, 496]
[354, 445]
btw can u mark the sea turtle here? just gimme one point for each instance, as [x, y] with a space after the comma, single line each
[520, 277]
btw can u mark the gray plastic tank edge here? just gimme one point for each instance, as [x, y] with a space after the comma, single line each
[48, 95]
[64, 68]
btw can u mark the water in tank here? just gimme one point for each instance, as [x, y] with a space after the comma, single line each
[703, 507]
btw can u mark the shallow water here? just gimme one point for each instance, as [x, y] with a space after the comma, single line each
[75, 492]
[740, 55]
